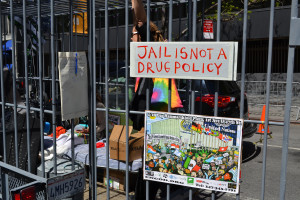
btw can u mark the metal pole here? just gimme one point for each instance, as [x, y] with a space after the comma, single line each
[267, 99]
[41, 71]
[2, 92]
[53, 86]
[106, 93]
[243, 65]
[213, 194]
[127, 98]
[194, 25]
[100, 65]
[71, 26]
[63, 34]
[288, 104]
[147, 89]
[117, 66]
[170, 80]
[71, 50]
[94, 105]
[12, 24]
[92, 95]
[26, 84]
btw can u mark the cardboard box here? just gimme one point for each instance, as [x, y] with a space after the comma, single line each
[117, 180]
[117, 144]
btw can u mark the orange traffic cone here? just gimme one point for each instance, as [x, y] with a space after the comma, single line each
[261, 127]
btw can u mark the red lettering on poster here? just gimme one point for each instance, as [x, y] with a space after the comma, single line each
[183, 52]
[194, 70]
[202, 56]
[209, 50]
[159, 70]
[208, 69]
[152, 51]
[149, 66]
[222, 53]
[142, 57]
[176, 66]
[166, 53]
[167, 69]
[218, 68]
[194, 53]
[183, 67]
[139, 69]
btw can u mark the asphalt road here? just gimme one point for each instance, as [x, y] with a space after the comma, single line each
[251, 185]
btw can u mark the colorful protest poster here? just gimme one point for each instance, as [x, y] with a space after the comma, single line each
[193, 150]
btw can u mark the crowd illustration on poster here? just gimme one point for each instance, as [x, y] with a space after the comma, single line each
[193, 150]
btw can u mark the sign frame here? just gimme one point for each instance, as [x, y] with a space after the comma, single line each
[184, 60]
[159, 166]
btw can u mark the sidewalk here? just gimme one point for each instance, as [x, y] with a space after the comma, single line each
[276, 108]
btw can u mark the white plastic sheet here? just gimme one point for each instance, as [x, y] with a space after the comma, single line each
[73, 81]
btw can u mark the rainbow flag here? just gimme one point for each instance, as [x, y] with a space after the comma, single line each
[160, 92]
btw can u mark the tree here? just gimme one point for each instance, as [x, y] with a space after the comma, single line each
[232, 9]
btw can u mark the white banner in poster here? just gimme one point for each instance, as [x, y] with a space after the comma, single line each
[172, 153]
[73, 82]
[184, 60]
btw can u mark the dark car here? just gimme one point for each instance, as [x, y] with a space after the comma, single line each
[228, 101]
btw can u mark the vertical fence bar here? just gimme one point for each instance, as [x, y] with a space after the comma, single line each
[41, 70]
[2, 91]
[100, 65]
[26, 83]
[288, 104]
[12, 25]
[93, 129]
[106, 94]
[53, 84]
[4, 179]
[127, 98]
[213, 194]
[170, 80]
[91, 151]
[71, 26]
[188, 82]
[92, 118]
[63, 34]
[267, 99]
[117, 66]
[194, 25]
[76, 36]
[71, 50]
[245, 17]
[147, 80]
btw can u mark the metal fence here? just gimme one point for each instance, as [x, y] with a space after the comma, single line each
[13, 180]
[257, 90]
[51, 21]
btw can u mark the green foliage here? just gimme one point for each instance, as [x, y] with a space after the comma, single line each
[232, 8]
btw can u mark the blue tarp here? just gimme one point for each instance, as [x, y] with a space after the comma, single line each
[7, 46]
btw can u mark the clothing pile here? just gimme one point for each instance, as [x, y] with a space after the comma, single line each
[63, 141]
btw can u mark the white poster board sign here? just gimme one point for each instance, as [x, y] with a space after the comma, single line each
[184, 60]
[172, 153]
[73, 81]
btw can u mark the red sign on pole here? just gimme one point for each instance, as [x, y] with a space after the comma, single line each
[208, 31]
